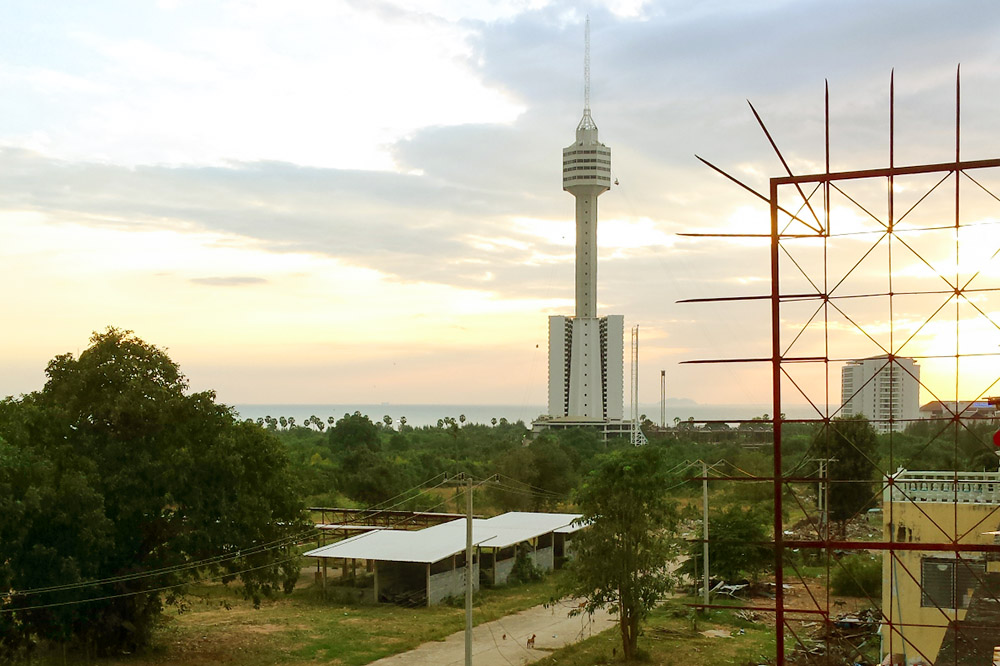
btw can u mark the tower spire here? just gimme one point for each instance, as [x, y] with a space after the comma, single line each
[586, 67]
[587, 123]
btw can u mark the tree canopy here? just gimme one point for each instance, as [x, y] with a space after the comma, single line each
[117, 486]
[738, 544]
[851, 445]
[622, 557]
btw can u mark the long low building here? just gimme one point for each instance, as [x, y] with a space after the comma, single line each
[429, 565]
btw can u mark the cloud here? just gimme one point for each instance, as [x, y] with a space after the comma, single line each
[235, 281]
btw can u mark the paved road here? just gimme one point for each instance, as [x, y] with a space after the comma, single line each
[502, 642]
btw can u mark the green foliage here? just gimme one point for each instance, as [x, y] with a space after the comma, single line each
[112, 470]
[621, 556]
[852, 444]
[737, 546]
[524, 569]
[934, 445]
[857, 575]
[545, 464]
[354, 431]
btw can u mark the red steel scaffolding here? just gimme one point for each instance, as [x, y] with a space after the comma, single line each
[910, 272]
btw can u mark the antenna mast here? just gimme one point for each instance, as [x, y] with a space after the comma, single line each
[587, 123]
[586, 66]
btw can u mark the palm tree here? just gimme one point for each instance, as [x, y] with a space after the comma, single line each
[387, 420]
[402, 421]
[461, 418]
[493, 421]
[283, 421]
[291, 421]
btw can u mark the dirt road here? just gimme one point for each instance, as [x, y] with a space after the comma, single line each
[502, 642]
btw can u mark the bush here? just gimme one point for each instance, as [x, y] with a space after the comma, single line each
[857, 576]
[524, 570]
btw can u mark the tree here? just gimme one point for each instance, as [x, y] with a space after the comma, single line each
[354, 431]
[621, 557]
[114, 471]
[851, 444]
[737, 546]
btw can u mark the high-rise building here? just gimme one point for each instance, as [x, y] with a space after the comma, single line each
[883, 390]
[586, 378]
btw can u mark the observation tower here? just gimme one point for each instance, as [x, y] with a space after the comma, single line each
[586, 351]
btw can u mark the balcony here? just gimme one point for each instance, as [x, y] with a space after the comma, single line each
[942, 487]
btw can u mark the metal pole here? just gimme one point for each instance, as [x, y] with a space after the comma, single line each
[704, 523]
[776, 358]
[663, 398]
[468, 571]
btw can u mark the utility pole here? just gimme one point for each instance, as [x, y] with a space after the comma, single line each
[823, 495]
[663, 398]
[468, 570]
[704, 522]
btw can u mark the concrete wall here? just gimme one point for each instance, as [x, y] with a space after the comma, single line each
[450, 584]
[544, 558]
[503, 569]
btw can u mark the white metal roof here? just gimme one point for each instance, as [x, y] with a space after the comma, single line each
[435, 543]
[517, 526]
[426, 546]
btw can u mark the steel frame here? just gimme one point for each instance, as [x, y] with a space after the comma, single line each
[808, 216]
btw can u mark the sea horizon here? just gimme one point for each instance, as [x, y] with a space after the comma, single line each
[418, 415]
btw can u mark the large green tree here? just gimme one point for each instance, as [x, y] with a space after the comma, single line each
[622, 556]
[851, 445]
[738, 544]
[118, 486]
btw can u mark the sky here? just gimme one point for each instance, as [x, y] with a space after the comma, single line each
[359, 201]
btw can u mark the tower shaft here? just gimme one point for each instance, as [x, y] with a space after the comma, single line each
[586, 251]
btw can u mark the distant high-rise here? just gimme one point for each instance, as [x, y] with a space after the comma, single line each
[885, 392]
[586, 351]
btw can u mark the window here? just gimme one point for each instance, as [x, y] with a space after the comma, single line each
[949, 583]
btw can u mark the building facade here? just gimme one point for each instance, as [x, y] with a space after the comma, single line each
[884, 390]
[940, 605]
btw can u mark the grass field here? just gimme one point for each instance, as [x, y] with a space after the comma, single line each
[670, 636]
[218, 627]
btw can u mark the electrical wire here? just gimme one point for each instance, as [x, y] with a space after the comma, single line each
[294, 539]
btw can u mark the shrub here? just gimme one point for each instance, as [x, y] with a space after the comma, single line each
[524, 569]
[857, 575]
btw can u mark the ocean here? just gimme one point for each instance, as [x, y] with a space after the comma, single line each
[422, 415]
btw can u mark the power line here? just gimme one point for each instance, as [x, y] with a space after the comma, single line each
[288, 540]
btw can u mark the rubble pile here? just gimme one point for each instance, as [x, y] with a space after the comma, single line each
[847, 639]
